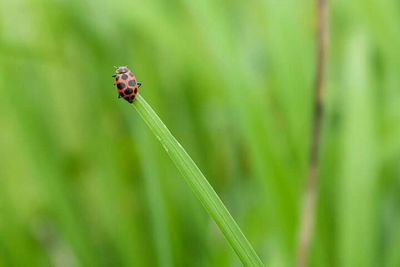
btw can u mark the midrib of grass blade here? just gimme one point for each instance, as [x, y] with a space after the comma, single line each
[199, 185]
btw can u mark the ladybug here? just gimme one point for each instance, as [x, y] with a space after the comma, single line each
[126, 83]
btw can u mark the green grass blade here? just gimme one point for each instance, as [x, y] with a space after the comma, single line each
[199, 185]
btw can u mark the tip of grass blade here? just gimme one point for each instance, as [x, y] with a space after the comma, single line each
[199, 185]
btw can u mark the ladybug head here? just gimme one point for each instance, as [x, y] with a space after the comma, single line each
[122, 69]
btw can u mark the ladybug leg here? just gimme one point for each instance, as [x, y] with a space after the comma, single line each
[139, 84]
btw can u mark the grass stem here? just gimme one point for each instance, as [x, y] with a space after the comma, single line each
[307, 216]
[199, 185]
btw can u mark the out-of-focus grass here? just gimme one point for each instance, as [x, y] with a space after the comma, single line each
[82, 182]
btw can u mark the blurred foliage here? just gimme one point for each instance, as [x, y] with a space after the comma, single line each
[84, 183]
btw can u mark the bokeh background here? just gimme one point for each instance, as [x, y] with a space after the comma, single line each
[83, 182]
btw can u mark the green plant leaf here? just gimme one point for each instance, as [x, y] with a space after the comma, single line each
[199, 185]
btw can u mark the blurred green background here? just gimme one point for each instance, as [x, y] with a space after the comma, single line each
[83, 182]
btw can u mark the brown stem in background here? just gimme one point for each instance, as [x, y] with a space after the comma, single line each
[307, 216]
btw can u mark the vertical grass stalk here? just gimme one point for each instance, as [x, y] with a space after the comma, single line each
[199, 185]
[307, 216]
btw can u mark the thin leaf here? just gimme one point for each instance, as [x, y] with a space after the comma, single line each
[199, 185]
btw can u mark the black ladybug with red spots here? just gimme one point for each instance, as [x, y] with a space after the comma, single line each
[126, 83]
